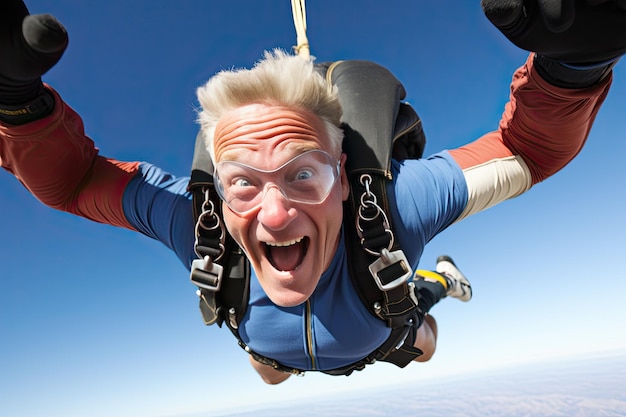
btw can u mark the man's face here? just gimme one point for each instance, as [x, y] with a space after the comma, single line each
[289, 243]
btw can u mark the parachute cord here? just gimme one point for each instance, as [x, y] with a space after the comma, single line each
[299, 20]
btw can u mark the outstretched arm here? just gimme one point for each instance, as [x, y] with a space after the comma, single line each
[554, 98]
[542, 129]
[42, 141]
[61, 167]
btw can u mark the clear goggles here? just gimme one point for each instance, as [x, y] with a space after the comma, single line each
[308, 178]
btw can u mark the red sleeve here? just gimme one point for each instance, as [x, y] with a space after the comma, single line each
[547, 126]
[61, 167]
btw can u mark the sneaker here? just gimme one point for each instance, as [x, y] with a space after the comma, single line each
[458, 285]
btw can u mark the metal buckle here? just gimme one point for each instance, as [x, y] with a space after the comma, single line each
[388, 259]
[206, 274]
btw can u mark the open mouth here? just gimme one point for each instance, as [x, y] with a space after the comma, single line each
[287, 256]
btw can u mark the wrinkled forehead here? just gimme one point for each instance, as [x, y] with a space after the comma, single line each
[268, 135]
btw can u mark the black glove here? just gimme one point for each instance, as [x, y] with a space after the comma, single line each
[575, 40]
[29, 46]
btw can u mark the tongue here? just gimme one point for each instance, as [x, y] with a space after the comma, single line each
[287, 258]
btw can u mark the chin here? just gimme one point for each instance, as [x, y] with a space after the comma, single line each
[289, 294]
[289, 302]
[287, 298]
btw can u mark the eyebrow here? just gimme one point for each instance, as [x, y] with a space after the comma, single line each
[235, 154]
[230, 155]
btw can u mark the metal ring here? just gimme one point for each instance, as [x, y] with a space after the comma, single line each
[366, 180]
[208, 205]
[364, 205]
[214, 224]
[206, 225]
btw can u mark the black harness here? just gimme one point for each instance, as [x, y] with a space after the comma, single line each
[378, 126]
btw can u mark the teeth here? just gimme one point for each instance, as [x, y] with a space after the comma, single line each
[287, 243]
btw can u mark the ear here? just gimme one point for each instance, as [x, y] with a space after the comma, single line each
[345, 185]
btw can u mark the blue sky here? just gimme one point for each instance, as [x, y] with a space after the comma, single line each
[100, 321]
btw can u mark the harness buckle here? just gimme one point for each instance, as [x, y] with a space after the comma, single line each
[206, 274]
[390, 270]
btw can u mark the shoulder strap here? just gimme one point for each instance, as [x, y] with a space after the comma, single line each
[222, 271]
[377, 125]
[375, 122]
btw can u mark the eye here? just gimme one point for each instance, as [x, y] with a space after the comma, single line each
[303, 174]
[241, 182]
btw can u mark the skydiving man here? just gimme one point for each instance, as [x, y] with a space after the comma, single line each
[274, 135]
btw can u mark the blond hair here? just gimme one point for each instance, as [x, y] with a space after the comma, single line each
[278, 79]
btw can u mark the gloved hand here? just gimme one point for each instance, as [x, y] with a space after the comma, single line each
[570, 31]
[29, 46]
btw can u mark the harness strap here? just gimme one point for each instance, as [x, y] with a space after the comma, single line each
[226, 298]
[397, 349]
[379, 269]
